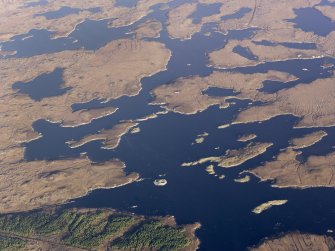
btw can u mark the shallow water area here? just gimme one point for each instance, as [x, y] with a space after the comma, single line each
[205, 10]
[45, 85]
[65, 11]
[126, 3]
[244, 52]
[239, 14]
[309, 20]
[219, 92]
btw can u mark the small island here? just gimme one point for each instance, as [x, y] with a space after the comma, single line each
[244, 179]
[210, 170]
[240, 156]
[236, 157]
[247, 137]
[267, 205]
[160, 182]
[200, 138]
[135, 130]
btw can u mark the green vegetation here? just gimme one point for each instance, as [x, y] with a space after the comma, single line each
[83, 229]
[24, 224]
[56, 223]
[153, 235]
[90, 229]
[11, 243]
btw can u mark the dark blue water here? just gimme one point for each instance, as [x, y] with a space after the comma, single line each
[90, 35]
[45, 85]
[165, 143]
[327, 2]
[245, 52]
[65, 11]
[62, 12]
[205, 10]
[184, 52]
[273, 86]
[93, 104]
[223, 207]
[302, 46]
[219, 92]
[312, 20]
[227, 221]
[238, 14]
[296, 68]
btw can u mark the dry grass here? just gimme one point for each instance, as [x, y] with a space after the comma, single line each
[297, 241]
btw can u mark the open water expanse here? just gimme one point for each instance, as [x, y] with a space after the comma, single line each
[223, 207]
